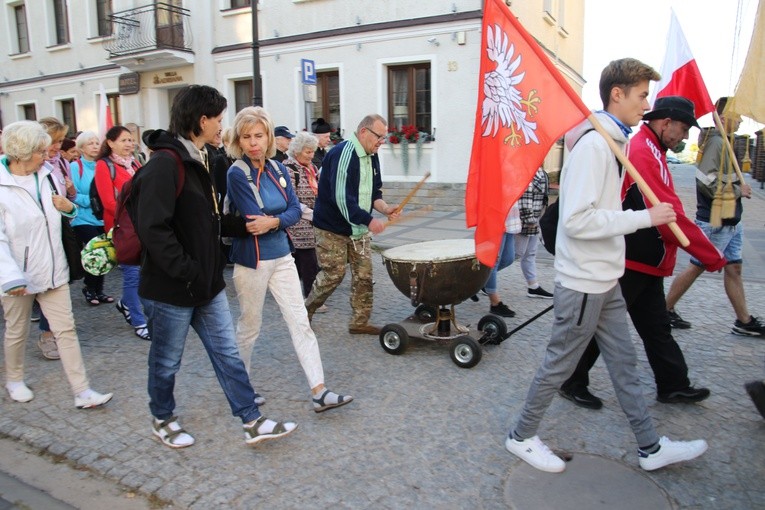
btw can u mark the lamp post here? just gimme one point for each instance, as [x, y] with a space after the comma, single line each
[257, 85]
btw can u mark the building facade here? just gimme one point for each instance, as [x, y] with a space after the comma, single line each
[416, 63]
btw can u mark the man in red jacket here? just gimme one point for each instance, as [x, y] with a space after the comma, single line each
[651, 255]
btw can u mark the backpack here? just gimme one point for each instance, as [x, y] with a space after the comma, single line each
[241, 165]
[548, 222]
[125, 240]
[96, 206]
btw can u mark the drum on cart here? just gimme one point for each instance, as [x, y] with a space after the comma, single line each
[436, 276]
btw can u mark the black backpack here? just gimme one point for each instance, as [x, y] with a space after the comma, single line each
[548, 222]
[96, 206]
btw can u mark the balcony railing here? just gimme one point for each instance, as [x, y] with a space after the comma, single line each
[152, 27]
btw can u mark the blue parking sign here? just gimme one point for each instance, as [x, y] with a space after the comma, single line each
[308, 71]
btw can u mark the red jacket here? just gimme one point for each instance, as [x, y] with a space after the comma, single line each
[108, 190]
[654, 250]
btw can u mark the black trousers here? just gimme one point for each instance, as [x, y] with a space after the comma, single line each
[85, 233]
[647, 306]
[307, 267]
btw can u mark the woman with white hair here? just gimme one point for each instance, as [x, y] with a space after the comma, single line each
[259, 189]
[85, 224]
[33, 263]
[305, 180]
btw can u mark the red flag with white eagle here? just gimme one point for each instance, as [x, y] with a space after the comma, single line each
[524, 106]
[680, 75]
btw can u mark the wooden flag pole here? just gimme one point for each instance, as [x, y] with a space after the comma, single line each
[411, 193]
[644, 188]
[413, 214]
[721, 129]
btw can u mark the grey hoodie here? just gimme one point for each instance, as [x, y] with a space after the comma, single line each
[589, 252]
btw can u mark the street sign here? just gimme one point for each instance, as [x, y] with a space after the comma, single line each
[308, 71]
[310, 94]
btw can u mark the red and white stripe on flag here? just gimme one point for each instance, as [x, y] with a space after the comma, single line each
[680, 75]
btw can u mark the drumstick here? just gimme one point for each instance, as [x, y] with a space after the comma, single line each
[411, 193]
[412, 214]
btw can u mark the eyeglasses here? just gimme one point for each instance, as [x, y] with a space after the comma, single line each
[378, 136]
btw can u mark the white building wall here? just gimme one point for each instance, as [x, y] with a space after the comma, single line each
[350, 36]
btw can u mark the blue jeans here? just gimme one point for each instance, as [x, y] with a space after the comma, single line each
[505, 257]
[729, 239]
[168, 327]
[130, 278]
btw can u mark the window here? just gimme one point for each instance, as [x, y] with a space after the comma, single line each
[60, 21]
[103, 11]
[561, 13]
[68, 116]
[409, 96]
[22, 34]
[238, 4]
[327, 103]
[548, 8]
[29, 112]
[243, 92]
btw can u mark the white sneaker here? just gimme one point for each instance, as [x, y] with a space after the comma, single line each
[671, 452]
[19, 392]
[92, 399]
[536, 453]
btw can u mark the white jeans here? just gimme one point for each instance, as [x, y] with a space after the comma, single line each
[281, 278]
[526, 251]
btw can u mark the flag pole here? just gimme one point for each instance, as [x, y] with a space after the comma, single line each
[644, 188]
[721, 128]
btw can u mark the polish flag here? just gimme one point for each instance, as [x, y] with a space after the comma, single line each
[680, 76]
[105, 122]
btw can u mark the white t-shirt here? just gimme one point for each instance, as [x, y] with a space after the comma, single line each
[29, 183]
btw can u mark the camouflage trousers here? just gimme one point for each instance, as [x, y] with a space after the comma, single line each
[334, 252]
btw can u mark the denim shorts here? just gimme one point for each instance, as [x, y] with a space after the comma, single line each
[729, 239]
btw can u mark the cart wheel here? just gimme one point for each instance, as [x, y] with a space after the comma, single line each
[465, 352]
[425, 313]
[494, 329]
[394, 338]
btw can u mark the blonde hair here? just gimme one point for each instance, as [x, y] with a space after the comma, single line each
[55, 128]
[246, 119]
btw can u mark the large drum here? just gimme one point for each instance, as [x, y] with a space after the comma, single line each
[436, 273]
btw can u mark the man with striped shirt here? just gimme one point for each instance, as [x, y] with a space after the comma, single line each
[350, 186]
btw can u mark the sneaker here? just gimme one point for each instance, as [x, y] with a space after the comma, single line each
[19, 392]
[677, 322]
[91, 399]
[539, 292]
[322, 309]
[536, 453]
[254, 436]
[366, 329]
[171, 433]
[259, 399]
[756, 390]
[502, 310]
[47, 345]
[684, 396]
[752, 328]
[581, 396]
[670, 452]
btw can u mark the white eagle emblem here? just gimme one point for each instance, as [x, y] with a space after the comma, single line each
[503, 102]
